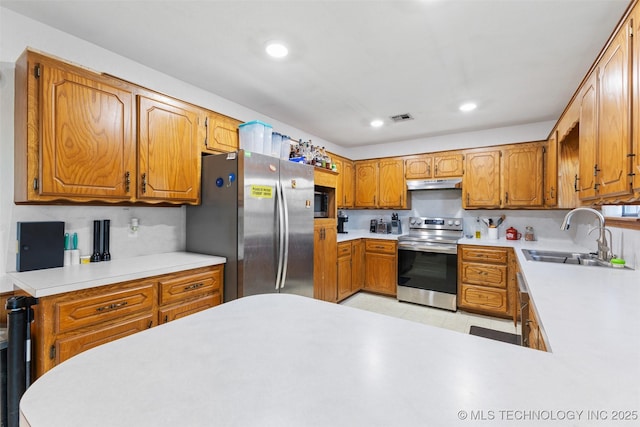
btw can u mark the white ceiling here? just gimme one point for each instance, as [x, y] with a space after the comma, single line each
[353, 61]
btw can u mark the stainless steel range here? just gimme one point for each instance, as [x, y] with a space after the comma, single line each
[428, 262]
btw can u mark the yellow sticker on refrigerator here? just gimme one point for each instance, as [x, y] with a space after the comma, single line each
[261, 191]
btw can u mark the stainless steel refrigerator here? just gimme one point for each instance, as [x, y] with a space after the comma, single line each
[257, 211]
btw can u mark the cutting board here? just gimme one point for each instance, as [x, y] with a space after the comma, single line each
[40, 245]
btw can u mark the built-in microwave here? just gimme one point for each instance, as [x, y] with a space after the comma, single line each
[320, 204]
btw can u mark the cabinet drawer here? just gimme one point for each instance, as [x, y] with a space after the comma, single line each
[484, 274]
[380, 246]
[103, 307]
[174, 289]
[497, 255]
[485, 299]
[344, 249]
[174, 312]
[70, 346]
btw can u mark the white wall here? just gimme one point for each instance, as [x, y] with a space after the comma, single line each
[506, 135]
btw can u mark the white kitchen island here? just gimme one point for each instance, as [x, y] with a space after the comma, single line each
[282, 360]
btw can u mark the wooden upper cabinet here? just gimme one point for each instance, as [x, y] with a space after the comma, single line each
[550, 167]
[380, 184]
[169, 153]
[392, 187]
[635, 95]
[73, 130]
[418, 167]
[522, 176]
[221, 133]
[481, 181]
[448, 165]
[586, 184]
[366, 175]
[346, 186]
[438, 165]
[614, 141]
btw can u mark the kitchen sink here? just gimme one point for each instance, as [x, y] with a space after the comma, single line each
[576, 258]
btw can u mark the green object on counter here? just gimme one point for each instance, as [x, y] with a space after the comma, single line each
[74, 241]
[66, 242]
[617, 262]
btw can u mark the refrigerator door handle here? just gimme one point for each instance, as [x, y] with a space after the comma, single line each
[285, 260]
[281, 227]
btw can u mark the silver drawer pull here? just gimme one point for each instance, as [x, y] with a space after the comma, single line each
[194, 286]
[112, 306]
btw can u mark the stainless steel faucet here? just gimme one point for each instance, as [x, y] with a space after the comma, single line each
[604, 250]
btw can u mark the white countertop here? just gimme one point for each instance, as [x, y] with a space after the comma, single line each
[291, 361]
[52, 281]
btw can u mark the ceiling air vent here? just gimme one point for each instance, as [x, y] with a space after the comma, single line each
[402, 117]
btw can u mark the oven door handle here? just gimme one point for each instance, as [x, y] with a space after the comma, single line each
[416, 247]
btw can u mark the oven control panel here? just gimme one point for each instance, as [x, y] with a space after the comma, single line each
[431, 223]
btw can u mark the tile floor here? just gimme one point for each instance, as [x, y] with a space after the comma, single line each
[459, 321]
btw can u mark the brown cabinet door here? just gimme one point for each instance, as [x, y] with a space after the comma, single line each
[614, 142]
[483, 254]
[88, 150]
[380, 273]
[325, 259]
[169, 153]
[481, 181]
[480, 298]
[73, 311]
[357, 265]
[67, 347]
[348, 185]
[550, 165]
[181, 287]
[344, 275]
[176, 311]
[221, 133]
[381, 266]
[392, 187]
[448, 165]
[522, 175]
[587, 140]
[366, 175]
[484, 274]
[340, 200]
[418, 167]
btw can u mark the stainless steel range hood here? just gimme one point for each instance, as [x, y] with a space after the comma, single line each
[434, 184]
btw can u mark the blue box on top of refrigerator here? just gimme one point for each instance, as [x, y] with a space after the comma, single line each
[257, 211]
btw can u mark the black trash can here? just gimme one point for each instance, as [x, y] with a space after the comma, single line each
[3, 377]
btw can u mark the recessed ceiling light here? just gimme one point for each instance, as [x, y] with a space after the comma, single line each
[276, 50]
[376, 123]
[469, 106]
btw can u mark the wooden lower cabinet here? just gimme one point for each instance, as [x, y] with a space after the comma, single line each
[350, 268]
[485, 282]
[381, 266]
[70, 345]
[176, 311]
[534, 330]
[68, 324]
[325, 260]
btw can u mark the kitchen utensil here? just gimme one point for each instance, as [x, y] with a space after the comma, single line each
[492, 233]
[500, 220]
[513, 234]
